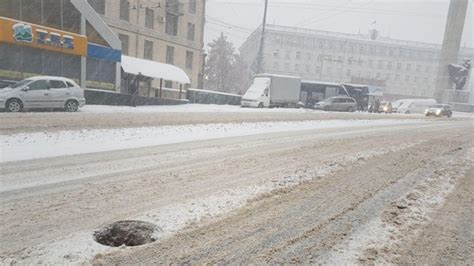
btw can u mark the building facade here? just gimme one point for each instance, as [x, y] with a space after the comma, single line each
[59, 38]
[402, 68]
[166, 31]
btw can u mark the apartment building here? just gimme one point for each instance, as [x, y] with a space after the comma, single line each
[166, 31]
[402, 68]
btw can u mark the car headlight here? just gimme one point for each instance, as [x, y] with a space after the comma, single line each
[438, 112]
[427, 111]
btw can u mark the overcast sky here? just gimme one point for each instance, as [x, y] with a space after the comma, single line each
[416, 20]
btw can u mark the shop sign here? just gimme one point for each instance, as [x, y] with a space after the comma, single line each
[36, 36]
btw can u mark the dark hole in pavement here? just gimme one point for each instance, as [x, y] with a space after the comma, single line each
[128, 233]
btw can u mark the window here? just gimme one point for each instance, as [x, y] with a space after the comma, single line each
[399, 66]
[98, 6]
[308, 56]
[149, 18]
[287, 66]
[275, 65]
[288, 54]
[348, 73]
[168, 84]
[69, 84]
[418, 68]
[408, 67]
[389, 65]
[276, 53]
[378, 75]
[328, 70]
[124, 10]
[57, 84]
[192, 6]
[38, 85]
[297, 67]
[318, 69]
[298, 55]
[370, 63]
[361, 49]
[169, 55]
[397, 77]
[171, 27]
[427, 69]
[387, 77]
[407, 79]
[124, 39]
[415, 80]
[307, 69]
[380, 64]
[390, 52]
[190, 31]
[148, 51]
[189, 59]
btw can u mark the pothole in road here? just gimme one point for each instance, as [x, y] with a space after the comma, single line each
[128, 233]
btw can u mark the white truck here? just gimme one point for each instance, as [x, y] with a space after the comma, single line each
[269, 90]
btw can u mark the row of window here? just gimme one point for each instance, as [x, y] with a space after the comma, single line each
[346, 46]
[380, 64]
[148, 52]
[173, 12]
[329, 71]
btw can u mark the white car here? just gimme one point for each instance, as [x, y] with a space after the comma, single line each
[42, 92]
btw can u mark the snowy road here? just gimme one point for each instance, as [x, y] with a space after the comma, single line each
[330, 191]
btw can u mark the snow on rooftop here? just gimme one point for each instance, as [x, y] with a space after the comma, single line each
[154, 69]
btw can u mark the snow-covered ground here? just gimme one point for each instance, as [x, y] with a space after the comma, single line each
[212, 108]
[196, 108]
[25, 146]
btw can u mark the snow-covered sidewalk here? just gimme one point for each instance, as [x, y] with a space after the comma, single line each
[25, 146]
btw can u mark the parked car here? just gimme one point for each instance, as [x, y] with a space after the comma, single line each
[439, 110]
[6, 83]
[338, 103]
[42, 92]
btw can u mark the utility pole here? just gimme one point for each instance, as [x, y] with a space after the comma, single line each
[262, 41]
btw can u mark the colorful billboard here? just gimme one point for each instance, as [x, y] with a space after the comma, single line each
[36, 36]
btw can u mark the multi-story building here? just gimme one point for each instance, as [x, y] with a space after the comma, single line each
[166, 31]
[402, 68]
[58, 38]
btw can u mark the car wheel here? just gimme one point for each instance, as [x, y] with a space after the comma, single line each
[14, 106]
[449, 115]
[260, 105]
[326, 108]
[350, 109]
[407, 112]
[72, 106]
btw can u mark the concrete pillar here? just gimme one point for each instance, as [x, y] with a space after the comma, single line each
[450, 49]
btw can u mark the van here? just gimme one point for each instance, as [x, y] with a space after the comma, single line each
[415, 106]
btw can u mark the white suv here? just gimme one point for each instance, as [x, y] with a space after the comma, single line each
[42, 92]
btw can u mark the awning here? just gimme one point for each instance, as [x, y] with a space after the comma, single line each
[154, 69]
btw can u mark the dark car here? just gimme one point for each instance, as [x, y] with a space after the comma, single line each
[6, 83]
[439, 110]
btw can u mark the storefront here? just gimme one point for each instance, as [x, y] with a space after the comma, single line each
[67, 46]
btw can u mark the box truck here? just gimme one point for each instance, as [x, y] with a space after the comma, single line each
[269, 90]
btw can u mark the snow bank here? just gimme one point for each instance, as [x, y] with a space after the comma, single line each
[25, 146]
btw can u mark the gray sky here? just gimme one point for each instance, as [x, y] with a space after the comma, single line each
[415, 20]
